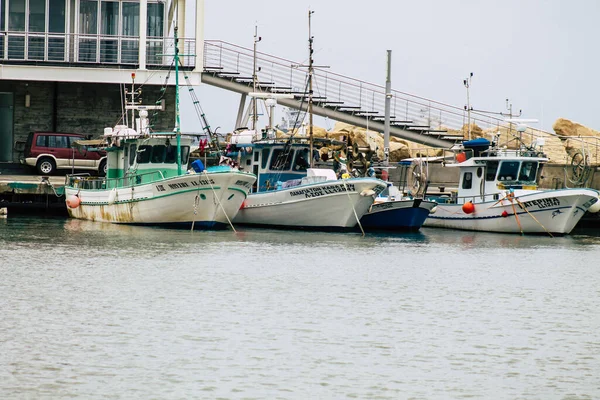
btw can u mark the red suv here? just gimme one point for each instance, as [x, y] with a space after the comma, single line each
[49, 151]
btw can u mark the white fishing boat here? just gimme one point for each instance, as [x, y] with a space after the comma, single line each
[147, 180]
[498, 192]
[291, 194]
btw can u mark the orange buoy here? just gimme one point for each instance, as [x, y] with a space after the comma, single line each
[468, 208]
[73, 201]
[460, 157]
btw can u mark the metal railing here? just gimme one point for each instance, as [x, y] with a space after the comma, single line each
[106, 50]
[278, 75]
[88, 182]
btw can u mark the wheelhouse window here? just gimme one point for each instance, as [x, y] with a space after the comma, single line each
[144, 154]
[132, 154]
[185, 153]
[171, 156]
[158, 154]
[264, 158]
[467, 180]
[301, 161]
[281, 161]
[490, 171]
[508, 171]
[528, 171]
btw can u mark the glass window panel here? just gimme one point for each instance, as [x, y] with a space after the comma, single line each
[154, 49]
[16, 15]
[264, 158]
[88, 17]
[185, 152]
[2, 15]
[301, 162]
[528, 171]
[508, 171]
[36, 48]
[37, 15]
[56, 16]
[87, 50]
[110, 18]
[158, 154]
[129, 51]
[467, 180]
[490, 171]
[61, 142]
[171, 154]
[1, 47]
[155, 19]
[281, 160]
[131, 19]
[109, 51]
[56, 49]
[144, 154]
[40, 141]
[132, 154]
[16, 47]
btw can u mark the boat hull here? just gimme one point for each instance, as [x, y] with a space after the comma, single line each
[406, 215]
[179, 201]
[552, 211]
[324, 205]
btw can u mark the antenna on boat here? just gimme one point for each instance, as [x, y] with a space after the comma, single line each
[467, 83]
[255, 78]
[388, 99]
[310, 86]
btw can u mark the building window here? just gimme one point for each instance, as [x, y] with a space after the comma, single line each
[109, 26]
[56, 16]
[37, 16]
[131, 19]
[2, 23]
[16, 15]
[88, 17]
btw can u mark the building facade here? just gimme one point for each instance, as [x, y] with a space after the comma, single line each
[64, 64]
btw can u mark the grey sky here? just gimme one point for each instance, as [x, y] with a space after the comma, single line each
[542, 55]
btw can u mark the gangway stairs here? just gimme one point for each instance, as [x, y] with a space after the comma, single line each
[337, 97]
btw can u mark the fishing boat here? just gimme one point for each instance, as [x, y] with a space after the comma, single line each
[291, 194]
[148, 182]
[498, 192]
[392, 210]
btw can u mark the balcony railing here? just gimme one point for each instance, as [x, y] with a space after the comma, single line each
[103, 50]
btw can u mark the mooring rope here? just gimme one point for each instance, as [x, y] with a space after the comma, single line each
[353, 209]
[219, 201]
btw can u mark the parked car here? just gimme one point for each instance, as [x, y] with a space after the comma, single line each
[50, 151]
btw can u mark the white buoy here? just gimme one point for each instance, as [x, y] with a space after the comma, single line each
[595, 207]
[112, 196]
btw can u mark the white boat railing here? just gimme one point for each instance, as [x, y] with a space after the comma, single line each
[88, 182]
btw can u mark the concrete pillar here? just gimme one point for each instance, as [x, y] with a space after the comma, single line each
[199, 36]
[143, 32]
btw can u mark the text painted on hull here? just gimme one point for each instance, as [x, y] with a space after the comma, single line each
[323, 190]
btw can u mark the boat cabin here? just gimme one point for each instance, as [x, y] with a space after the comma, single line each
[273, 163]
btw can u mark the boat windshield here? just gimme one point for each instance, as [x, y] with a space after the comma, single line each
[517, 171]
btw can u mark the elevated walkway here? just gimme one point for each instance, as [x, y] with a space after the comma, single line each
[336, 96]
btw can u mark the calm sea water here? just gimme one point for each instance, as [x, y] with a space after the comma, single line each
[100, 311]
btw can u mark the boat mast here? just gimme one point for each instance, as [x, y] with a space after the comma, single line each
[310, 88]
[177, 117]
[388, 100]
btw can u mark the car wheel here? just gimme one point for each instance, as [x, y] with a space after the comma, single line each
[102, 169]
[46, 166]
